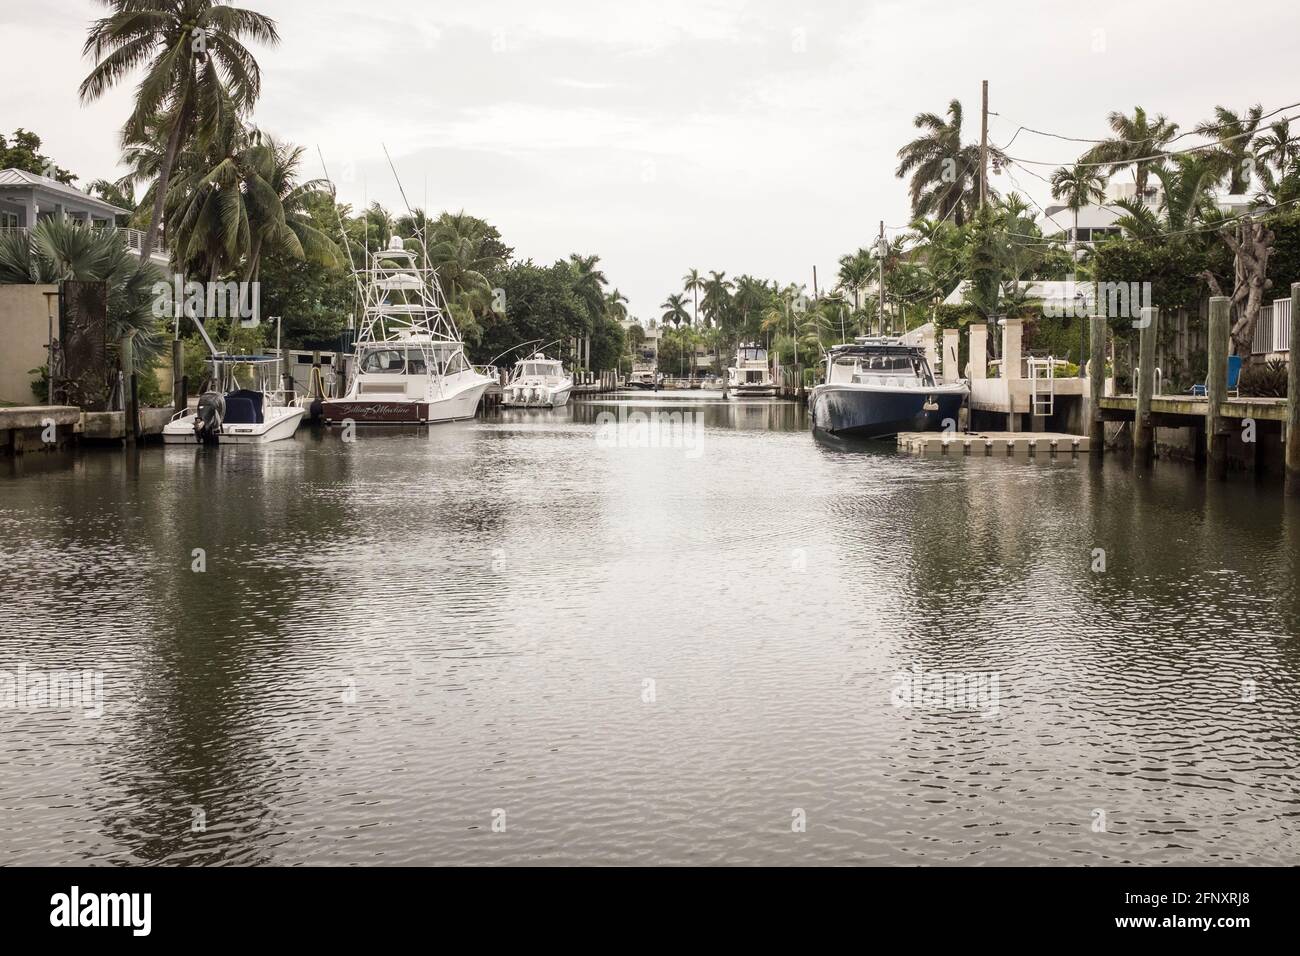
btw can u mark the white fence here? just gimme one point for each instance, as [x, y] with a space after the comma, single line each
[1273, 330]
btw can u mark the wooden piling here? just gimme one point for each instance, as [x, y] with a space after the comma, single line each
[1144, 432]
[1097, 380]
[178, 375]
[126, 356]
[1216, 388]
[1293, 399]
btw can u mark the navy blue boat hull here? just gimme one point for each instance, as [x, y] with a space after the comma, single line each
[859, 413]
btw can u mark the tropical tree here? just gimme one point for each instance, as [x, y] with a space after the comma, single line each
[675, 310]
[1185, 199]
[616, 305]
[693, 283]
[589, 283]
[717, 296]
[1234, 134]
[944, 171]
[856, 270]
[196, 68]
[1077, 186]
[1138, 142]
[55, 250]
[1278, 148]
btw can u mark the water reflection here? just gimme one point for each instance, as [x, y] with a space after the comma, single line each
[644, 654]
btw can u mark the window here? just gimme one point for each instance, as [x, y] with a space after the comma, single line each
[8, 220]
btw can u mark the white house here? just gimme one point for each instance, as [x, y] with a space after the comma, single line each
[27, 198]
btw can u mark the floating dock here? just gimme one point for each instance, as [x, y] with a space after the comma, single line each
[994, 444]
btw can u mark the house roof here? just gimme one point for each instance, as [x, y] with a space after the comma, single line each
[22, 179]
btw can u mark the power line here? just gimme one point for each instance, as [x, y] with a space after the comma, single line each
[1145, 159]
[1205, 130]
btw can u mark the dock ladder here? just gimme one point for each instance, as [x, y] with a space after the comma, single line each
[1042, 382]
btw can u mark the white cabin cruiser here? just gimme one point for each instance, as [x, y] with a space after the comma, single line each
[752, 374]
[537, 382]
[643, 375]
[409, 362]
[232, 413]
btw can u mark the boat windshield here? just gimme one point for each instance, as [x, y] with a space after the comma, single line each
[752, 355]
[542, 369]
[899, 370]
[444, 357]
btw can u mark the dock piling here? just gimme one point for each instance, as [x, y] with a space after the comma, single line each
[1144, 432]
[1216, 388]
[1097, 380]
[1293, 399]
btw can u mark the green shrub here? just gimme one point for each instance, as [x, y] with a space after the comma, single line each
[1264, 381]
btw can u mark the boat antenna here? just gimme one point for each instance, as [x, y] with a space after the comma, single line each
[338, 217]
[493, 361]
[409, 211]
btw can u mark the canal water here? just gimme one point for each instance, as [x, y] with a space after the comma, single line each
[582, 636]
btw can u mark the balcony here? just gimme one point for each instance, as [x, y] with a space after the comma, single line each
[134, 242]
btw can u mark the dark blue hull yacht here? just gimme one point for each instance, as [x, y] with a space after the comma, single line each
[878, 387]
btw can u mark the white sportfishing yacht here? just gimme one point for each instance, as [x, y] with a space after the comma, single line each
[409, 364]
[537, 382]
[752, 374]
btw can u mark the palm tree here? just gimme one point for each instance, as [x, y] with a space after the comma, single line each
[945, 174]
[457, 245]
[1234, 152]
[196, 66]
[675, 310]
[1185, 199]
[693, 283]
[1077, 186]
[717, 295]
[589, 283]
[856, 270]
[57, 249]
[1138, 142]
[616, 305]
[1278, 147]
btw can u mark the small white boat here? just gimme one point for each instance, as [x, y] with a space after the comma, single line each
[232, 414]
[751, 376]
[537, 382]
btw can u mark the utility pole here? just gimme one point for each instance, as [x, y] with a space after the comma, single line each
[880, 257]
[984, 146]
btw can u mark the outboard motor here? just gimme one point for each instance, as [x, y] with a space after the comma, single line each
[207, 420]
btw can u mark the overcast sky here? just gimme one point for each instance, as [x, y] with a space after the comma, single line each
[742, 136]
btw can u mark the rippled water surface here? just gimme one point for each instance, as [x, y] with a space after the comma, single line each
[628, 654]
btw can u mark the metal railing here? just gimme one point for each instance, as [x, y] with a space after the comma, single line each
[1281, 323]
[134, 239]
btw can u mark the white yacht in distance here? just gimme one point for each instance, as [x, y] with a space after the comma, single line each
[751, 375]
[643, 375]
[537, 382]
[409, 364]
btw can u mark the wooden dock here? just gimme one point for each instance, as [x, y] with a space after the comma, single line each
[994, 444]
